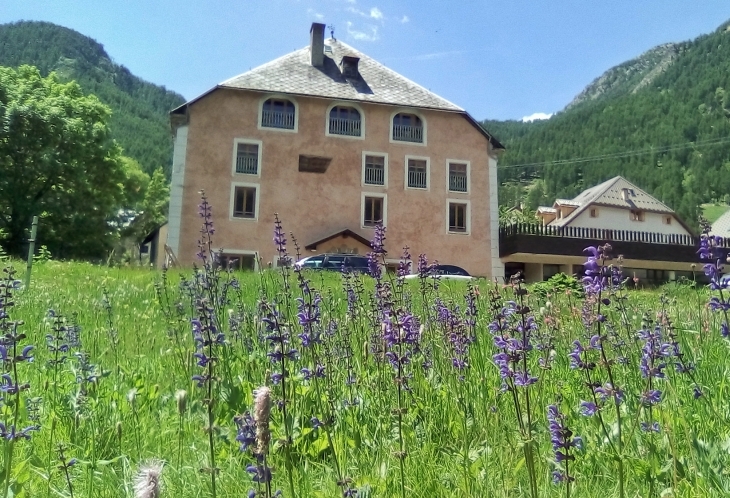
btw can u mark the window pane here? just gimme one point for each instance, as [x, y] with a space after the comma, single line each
[373, 211]
[247, 157]
[278, 113]
[417, 173]
[345, 121]
[375, 170]
[457, 217]
[377, 210]
[244, 202]
[457, 177]
[407, 128]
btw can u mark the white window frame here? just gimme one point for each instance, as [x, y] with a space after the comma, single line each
[384, 155]
[241, 252]
[468, 215]
[383, 196]
[280, 97]
[247, 141]
[428, 173]
[344, 104]
[423, 121]
[232, 201]
[468, 176]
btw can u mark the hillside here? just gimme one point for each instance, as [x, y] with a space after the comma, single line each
[661, 120]
[139, 121]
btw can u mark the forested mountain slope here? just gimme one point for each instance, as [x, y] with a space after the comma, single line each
[661, 120]
[140, 109]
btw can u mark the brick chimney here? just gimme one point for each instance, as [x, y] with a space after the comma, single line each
[316, 44]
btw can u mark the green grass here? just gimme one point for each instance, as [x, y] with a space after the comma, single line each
[713, 211]
[461, 435]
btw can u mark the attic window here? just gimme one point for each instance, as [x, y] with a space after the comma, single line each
[594, 213]
[349, 66]
[636, 215]
[667, 220]
[313, 164]
[627, 193]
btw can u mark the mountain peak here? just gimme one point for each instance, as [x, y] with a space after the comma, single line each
[630, 76]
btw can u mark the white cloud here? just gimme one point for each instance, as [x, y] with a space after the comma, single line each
[435, 55]
[316, 15]
[370, 34]
[404, 19]
[375, 13]
[536, 117]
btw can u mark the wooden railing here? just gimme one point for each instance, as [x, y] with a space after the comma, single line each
[349, 127]
[247, 164]
[277, 119]
[457, 182]
[417, 179]
[604, 234]
[405, 133]
[374, 175]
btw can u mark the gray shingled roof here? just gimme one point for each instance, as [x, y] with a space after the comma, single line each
[608, 193]
[294, 74]
[721, 227]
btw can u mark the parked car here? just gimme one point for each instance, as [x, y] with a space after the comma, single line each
[447, 272]
[334, 262]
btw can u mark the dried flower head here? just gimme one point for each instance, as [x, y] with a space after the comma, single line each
[147, 482]
[181, 398]
[262, 412]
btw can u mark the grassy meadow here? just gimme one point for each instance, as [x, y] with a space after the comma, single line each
[393, 389]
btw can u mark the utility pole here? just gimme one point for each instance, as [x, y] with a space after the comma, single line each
[31, 251]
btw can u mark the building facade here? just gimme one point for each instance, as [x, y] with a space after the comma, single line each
[334, 143]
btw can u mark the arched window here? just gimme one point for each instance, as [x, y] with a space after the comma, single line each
[278, 113]
[345, 121]
[407, 128]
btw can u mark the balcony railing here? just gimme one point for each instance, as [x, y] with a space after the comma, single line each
[405, 133]
[248, 165]
[457, 183]
[605, 234]
[277, 119]
[374, 175]
[348, 127]
[524, 238]
[416, 178]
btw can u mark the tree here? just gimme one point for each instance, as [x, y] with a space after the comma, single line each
[57, 161]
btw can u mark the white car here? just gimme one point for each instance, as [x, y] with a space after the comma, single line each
[447, 272]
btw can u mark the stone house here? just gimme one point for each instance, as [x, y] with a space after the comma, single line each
[334, 142]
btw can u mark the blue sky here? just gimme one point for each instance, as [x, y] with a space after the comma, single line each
[499, 59]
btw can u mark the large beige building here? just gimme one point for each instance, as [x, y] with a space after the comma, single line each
[334, 142]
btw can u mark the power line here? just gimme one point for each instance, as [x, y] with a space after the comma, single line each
[620, 155]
